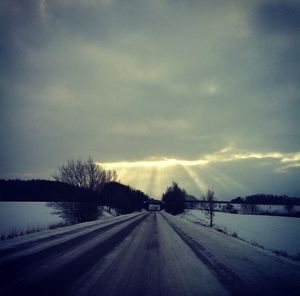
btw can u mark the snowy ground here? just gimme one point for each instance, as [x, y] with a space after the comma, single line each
[271, 232]
[142, 254]
[26, 216]
[272, 209]
[69, 232]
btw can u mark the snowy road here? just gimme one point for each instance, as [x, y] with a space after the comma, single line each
[146, 254]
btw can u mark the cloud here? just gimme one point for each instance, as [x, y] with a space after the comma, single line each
[161, 126]
[227, 154]
[127, 80]
[229, 172]
[281, 17]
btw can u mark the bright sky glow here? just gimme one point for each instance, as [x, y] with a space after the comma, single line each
[223, 155]
[154, 175]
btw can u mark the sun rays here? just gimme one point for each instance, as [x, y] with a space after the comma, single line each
[153, 175]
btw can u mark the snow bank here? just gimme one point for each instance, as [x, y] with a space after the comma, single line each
[270, 232]
[80, 228]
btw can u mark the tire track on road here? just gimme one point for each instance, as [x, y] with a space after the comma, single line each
[231, 281]
[27, 245]
[57, 281]
[123, 271]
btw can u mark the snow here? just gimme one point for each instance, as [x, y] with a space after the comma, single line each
[152, 260]
[82, 228]
[26, 215]
[23, 216]
[271, 232]
[274, 209]
[262, 272]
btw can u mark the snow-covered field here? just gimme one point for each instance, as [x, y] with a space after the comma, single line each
[28, 216]
[18, 216]
[272, 209]
[80, 229]
[271, 232]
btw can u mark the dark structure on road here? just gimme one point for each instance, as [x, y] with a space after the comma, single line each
[154, 205]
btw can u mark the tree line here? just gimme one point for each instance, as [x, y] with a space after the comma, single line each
[81, 189]
[79, 192]
[43, 190]
[267, 199]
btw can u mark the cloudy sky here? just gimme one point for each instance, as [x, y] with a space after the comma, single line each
[204, 92]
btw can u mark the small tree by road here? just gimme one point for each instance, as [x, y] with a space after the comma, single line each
[208, 205]
[83, 174]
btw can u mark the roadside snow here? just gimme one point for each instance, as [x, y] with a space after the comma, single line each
[271, 232]
[18, 216]
[27, 217]
[82, 227]
[262, 272]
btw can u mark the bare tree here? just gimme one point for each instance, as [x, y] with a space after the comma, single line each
[76, 212]
[208, 205]
[83, 174]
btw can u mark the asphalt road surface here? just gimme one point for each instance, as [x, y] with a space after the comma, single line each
[147, 254]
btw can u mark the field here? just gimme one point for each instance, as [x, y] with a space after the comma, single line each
[25, 216]
[270, 232]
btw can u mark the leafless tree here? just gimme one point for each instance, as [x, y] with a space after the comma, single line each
[83, 174]
[208, 205]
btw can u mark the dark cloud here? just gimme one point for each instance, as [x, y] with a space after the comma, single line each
[277, 24]
[127, 80]
[20, 26]
[280, 17]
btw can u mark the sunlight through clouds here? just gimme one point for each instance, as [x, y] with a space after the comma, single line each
[224, 155]
[196, 178]
[224, 180]
[154, 174]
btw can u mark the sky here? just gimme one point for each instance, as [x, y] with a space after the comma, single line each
[204, 93]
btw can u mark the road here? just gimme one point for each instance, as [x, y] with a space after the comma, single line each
[145, 254]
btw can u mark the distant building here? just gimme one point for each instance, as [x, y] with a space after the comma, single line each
[154, 205]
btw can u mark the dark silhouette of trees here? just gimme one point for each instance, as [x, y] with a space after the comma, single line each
[249, 208]
[174, 199]
[43, 190]
[76, 212]
[208, 205]
[289, 207]
[229, 208]
[123, 199]
[267, 199]
[237, 200]
[75, 204]
[87, 175]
